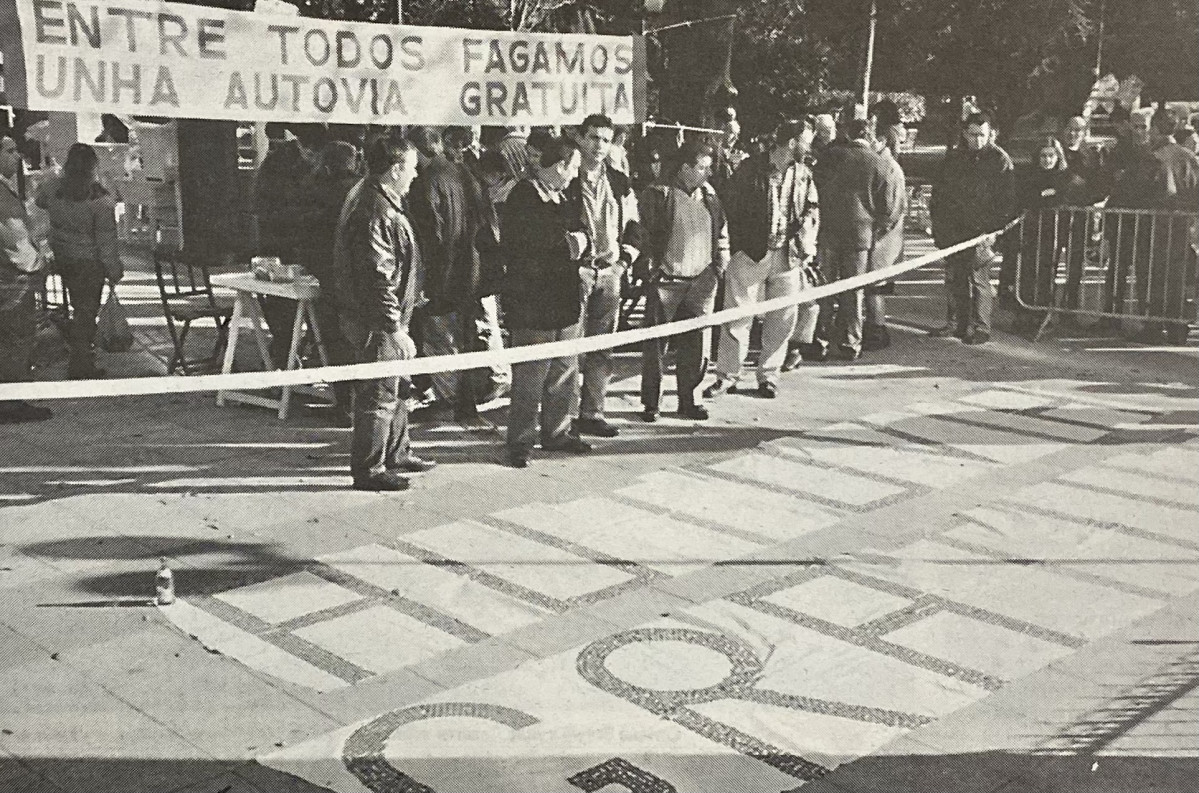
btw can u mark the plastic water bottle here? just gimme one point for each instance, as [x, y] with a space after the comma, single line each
[164, 585]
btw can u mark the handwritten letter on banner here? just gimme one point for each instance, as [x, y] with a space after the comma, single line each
[177, 60]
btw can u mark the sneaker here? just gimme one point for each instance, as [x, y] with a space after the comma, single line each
[649, 415]
[568, 443]
[768, 390]
[21, 412]
[793, 359]
[847, 353]
[383, 482]
[977, 337]
[412, 465]
[518, 458]
[721, 386]
[693, 412]
[597, 427]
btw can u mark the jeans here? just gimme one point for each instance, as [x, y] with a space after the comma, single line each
[747, 282]
[669, 301]
[851, 305]
[545, 389]
[971, 289]
[84, 284]
[380, 436]
[599, 291]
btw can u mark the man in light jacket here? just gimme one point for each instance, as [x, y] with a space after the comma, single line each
[687, 248]
[773, 217]
[19, 279]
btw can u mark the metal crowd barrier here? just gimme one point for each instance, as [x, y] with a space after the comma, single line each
[1137, 266]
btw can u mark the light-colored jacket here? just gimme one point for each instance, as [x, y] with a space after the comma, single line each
[17, 252]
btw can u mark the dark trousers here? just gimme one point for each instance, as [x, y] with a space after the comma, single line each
[380, 436]
[545, 391]
[84, 284]
[337, 348]
[18, 325]
[971, 296]
[670, 301]
[851, 306]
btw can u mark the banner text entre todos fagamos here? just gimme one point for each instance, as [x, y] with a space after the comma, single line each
[187, 61]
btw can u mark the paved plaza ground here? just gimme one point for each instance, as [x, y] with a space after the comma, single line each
[940, 568]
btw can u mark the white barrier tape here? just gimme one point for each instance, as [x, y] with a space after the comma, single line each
[253, 381]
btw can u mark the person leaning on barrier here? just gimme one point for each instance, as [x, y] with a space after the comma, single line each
[20, 278]
[543, 240]
[83, 236]
[378, 274]
[610, 215]
[974, 195]
[771, 204]
[687, 252]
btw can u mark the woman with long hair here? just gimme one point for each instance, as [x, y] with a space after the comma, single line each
[83, 236]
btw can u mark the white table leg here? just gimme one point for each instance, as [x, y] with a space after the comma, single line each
[257, 322]
[231, 342]
[310, 310]
[293, 356]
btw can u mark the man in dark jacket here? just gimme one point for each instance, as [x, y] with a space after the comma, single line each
[862, 201]
[687, 248]
[378, 270]
[543, 242]
[609, 208]
[975, 194]
[449, 214]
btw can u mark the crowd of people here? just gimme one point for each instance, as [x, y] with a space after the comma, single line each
[447, 230]
[426, 242]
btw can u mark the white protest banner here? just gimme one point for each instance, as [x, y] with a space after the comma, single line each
[172, 59]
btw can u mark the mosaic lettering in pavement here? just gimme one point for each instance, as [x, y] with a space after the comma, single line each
[443, 588]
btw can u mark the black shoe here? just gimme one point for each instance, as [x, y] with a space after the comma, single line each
[721, 386]
[815, 352]
[518, 458]
[794, 356]
[86, 373]
[21, 412]
[384, 482]
[768, 390]
[649, 415]
[412, 465]
[875, 337]
[847, 353]
[693, 412]
[977, 337]
[569, 443]
[947, 330]
[597, 427]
